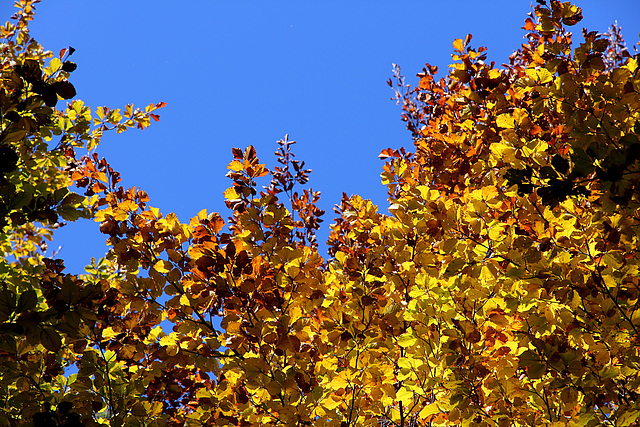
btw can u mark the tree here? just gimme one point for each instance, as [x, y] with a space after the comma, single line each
[47, 318]
[501, 289]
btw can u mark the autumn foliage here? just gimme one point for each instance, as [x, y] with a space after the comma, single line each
[501, 289]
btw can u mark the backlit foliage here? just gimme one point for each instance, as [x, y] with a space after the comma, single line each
[501, 289]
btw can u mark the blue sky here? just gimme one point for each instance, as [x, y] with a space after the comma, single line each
[237, 73]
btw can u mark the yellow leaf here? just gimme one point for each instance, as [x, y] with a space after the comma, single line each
[108, 333]
[489, 192]
[100, 112]
[203, 392]
[332, 402]
[505, 121]
[458, 44]
[520, 115]
[55, 64]
[167, 340]
[295, 313]
[292, 270]
[550, 314]
[330, 363]
[162, 266]
[410, 363]
[427, 193]
[541, 75]
[544, 75]
[339, 382]
[184, 300]
[430, 409]
[407, 265]
[407, 340]
[494, 73]
[236, 166]
[101, 176]
[261, 395]
[503, 151]
[153, 335]
[539, 228]
[127, 205]
[405, 395]
[231, 194]
[202, 214]
[120, 215]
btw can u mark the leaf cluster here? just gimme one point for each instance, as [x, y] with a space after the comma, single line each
[500, 289]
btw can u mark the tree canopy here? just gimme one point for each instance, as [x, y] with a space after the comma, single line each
[501, 289]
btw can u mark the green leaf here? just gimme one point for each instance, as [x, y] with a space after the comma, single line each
[14, 135]
[454, 266]
[73, 199]
[70, 290]
[21, 199]
[73, 319]
[610, 372]
[628, 418]
[60, 194]
[515, 272]
[528, 358]
[537, 370]
[28, 301]
[582, 163]
[51, 339]
[7, 304]
[8, 344]
[69, 213]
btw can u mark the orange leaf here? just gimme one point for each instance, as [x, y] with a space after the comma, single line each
[529, 25]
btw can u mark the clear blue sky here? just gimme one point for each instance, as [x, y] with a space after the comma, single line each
[236, 73]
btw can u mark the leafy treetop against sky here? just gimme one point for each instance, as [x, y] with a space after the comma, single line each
[502, 289]
[234, 75]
